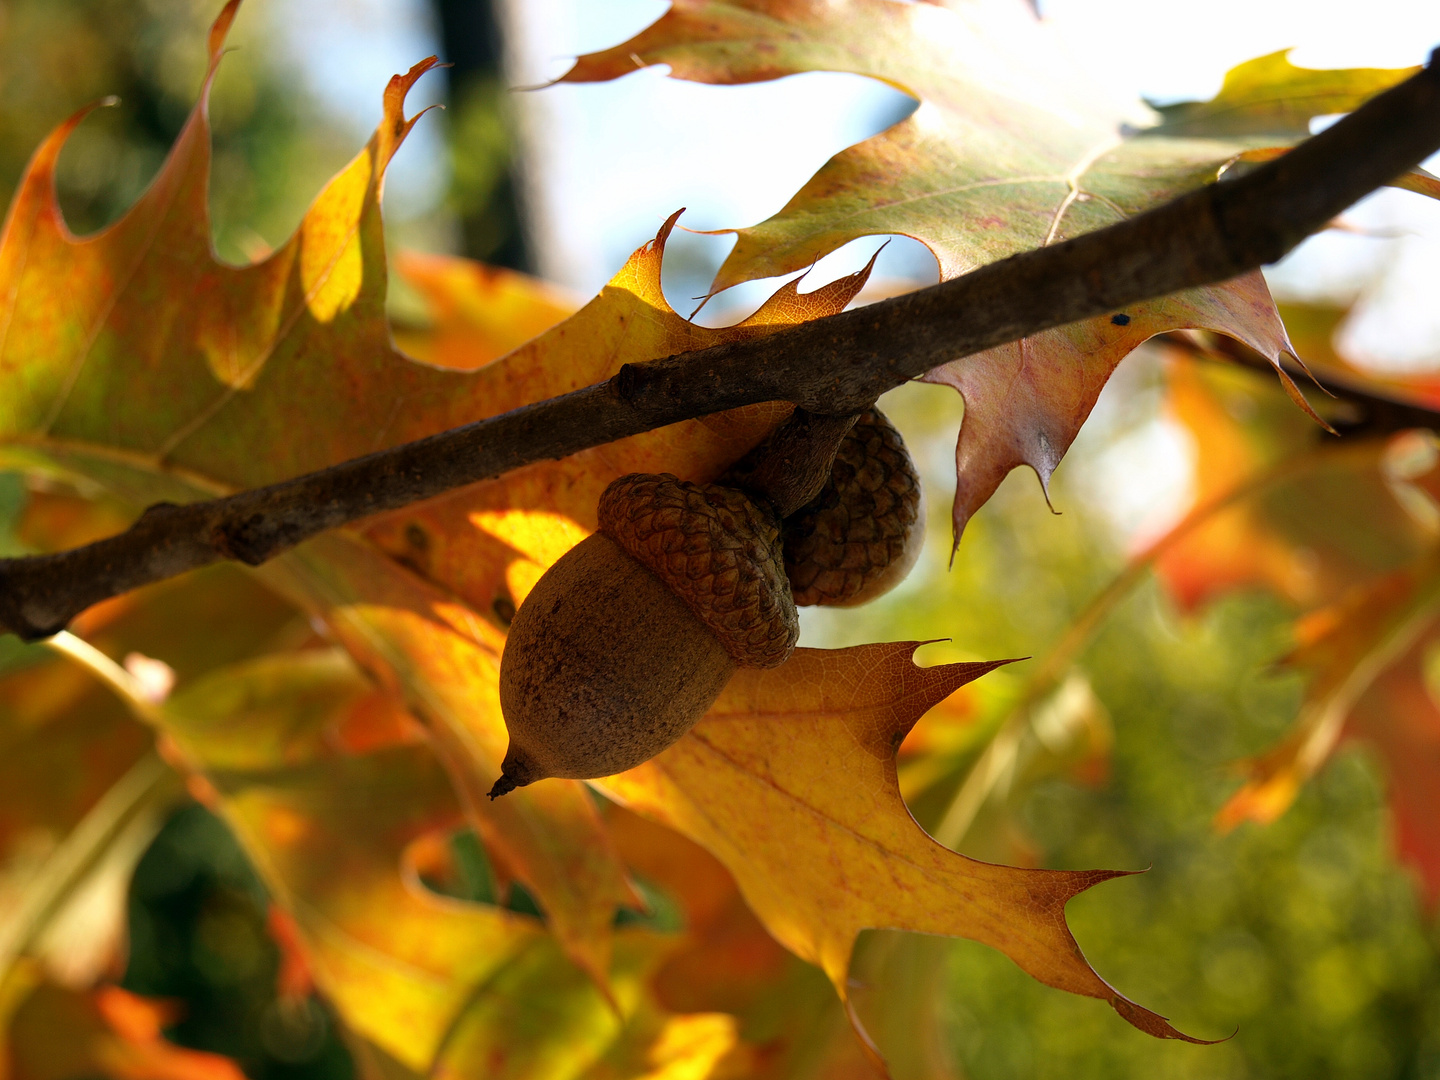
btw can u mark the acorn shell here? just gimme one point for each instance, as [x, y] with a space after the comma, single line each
[862, 534]
[604, 668]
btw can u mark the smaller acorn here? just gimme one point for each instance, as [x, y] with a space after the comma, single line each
[861, 535]
[629, 638]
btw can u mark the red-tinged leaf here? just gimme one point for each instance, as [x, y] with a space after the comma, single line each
[1010, 149]
[1025, 402]
[756, 783]
[1400, 719]
[1345, 647]
[59, 1034]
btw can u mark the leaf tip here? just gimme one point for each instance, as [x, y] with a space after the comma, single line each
[220, 30]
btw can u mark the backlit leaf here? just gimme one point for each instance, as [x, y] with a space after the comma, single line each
[60, 1034]
[1269, 96]
[755, 782]
[1010, 148]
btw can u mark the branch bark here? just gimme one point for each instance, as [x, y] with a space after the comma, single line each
[832, 367]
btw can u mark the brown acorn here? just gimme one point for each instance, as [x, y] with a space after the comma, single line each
[627, 640]
[861, 535]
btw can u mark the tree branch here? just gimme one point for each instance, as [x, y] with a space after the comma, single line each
[832, 366]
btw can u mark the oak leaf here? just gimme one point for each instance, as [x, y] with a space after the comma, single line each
[755, 782]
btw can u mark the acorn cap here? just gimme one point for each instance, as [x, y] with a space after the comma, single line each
[862, 533]
[718, 551]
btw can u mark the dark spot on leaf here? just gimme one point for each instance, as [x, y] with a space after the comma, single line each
[417, 537]
[1120, 320]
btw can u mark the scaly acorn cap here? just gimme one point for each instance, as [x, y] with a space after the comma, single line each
[861, 535]
[718, 551]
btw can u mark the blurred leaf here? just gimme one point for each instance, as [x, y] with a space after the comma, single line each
[60, 1034]
[1270, 96]
[480, 312]
[329, 832]
[728, 959]
[1345, 648]
[1399, 717]
[1235, 548]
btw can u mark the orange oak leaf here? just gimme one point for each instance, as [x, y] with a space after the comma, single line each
[1346, 647]
[480, 312]
[758, 783]
[1400, 719]
[60, 1034]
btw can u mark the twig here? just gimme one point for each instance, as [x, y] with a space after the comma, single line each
[832, 366]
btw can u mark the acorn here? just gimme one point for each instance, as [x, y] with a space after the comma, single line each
[629, 638]
[861, 535]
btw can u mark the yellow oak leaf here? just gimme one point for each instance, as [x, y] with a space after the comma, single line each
[790, 781]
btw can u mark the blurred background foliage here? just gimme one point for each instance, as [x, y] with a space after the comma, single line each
[1305, 936]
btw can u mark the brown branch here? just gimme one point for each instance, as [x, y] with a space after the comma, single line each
[831, 367]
